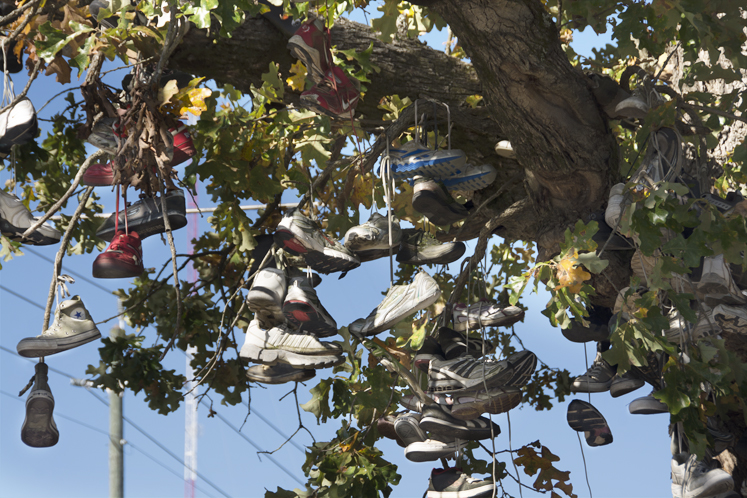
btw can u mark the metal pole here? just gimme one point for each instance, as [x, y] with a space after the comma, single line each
[116, 455]
[190, 401]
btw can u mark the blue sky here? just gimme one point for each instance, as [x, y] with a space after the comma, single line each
[635, 465]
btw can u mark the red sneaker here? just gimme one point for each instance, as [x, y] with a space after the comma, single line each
[122, 259]
[336, 95]
[310, 43]
[98, 175]
[183, 146]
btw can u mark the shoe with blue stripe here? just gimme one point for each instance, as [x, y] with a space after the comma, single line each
[472, 179]
[416, 159]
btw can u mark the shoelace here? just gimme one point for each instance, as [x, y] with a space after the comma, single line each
[62, 290]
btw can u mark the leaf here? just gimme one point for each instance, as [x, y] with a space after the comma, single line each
[60, 68]
[166, 92]
[570, 275]
[297, 80]
[593, 262]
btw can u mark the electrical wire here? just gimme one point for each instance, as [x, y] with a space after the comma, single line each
[68, 270]
[274, 427]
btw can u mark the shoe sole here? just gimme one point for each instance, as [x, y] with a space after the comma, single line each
[437, 169]
[432, 206]
[422, 452]
[107, 268]
[647, 407]
[444, 427]
[35, 238]
[714, 292]
[409, 432]
[271, 357]
[730, 322]
[622, 388]
[35, 348]
[328, 261]
[300, 375]
[304, 316]
[583, 417]
[717, 486]
[37, 430]
[478, 492]
[436, 257]
[310, 57]
[471, 183]
[590, 387]
[496, 404]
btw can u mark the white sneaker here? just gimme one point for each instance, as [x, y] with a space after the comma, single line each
[693, 479]
[505, 149]
[267, 292]
[370, 240]
[72, 327]
[432, 449]
[15, 219]
[400, 301]
[716, 285]
[18, 125]
[303, 309]
[485, 314]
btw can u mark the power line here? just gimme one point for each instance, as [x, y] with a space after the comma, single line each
[266, 421]
[68, 270]
[19, 296]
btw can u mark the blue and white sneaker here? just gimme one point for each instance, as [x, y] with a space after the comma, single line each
[416, 159]
[472, 179]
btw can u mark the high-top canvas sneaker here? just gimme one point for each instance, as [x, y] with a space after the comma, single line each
[268, 291]
[15, 219]
[279, 345]
[716, 285]
[692, 478]
[310, 44]
[370, 240]
[304, 311]
[146, 217]
[38, 429]
[122, 259]
[72, 327]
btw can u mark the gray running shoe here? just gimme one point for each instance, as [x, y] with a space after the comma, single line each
[38, 429]
[647, 405]
[583, 417]
[421, 248]
[15, 218]
[430, 199]
[453, 483]
[370, 240]
[496, 400]
[267, 292]
[297, 234]
[454, 344]
[278, 374]
[467, 373]
[597, 379]
[432, 449]
[635, 106]
[485, 314]
[663, 159]
[72, 327]
[146, 217]
[407, 427]
[438, 420]
[303, 309]
[278, 345]
[625, 383]
[695, 479]
[400, 302]
[716, 285]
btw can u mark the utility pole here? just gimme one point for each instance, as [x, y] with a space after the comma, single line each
[116, 430]
[190, 401]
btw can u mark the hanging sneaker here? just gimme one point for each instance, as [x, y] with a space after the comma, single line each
[38, 429]
[429, 350]
[625, 383]
[279, 374]
[454, 344]
[297, 234]
[597, 331]
[597, 379]
[635, 106]
[102, 137]
[122, 259]
[18, 125]
[304, 311]
[370, 240]
[647, 405]
[485, 314]
[453, 483]
[184, 148]
[716, 285]
[422, 248]
[400, 302]
[663, 159]
[438, 420]
[692, 478]
[473, 178]
[616, 205]
[466, 373]
[433, 449]
[495, 400]
[385, 426]
[72, 327]
[583, 417]
[336, 95]
[98, 175]
[279, 345]
[146, 218]
[15, 219]
[267, 292]
[430, 200]
[10, 61]
[504, 149]
[731, 319]
[407, 428]
[413, 159]
[310, 44]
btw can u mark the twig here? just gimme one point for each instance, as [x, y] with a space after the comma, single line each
[17, 13]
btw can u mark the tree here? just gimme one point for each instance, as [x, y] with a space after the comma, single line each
[522, 83]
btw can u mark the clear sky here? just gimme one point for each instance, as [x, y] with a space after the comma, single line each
[635, 465]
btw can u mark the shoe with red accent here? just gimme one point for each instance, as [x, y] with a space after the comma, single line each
[336, 95]
[310, 44]
[184, 148]
[299, 235]
[303, 309]
[98, 175]
[122, 259]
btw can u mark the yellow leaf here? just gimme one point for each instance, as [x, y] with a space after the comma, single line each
[570, 275]
[297, 80]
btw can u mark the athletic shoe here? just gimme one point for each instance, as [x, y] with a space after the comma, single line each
[496, 400]
[597, 379]
[431, 450]
[485, 314]
[98, 175]
[122, 259]
[716, 285]
[297, 234]
[385, 426]
[146, 218]
[72, 327]
[370, 240]
[583, 417]
[430, 200]
[10, 62]
[505, 149]
[523, 364]
[677, 330]
[267, 292]
[413, 159]
[429, 350]
[597, 331]
[400, 302]
[625, 383]
[38, 429]
[336, 95]
[604, 237]
[727, 205]
[472, 179]
[421, 248]
[454, 344]
[438, 420]
[647, 405]
[663, 159]
[694, 479]
[466, 373]
[184, 148]
[18, 125]
[453, 483]
[279, 345]
[636, 106]
[616, 205]
[15, 219]
[102, 137]
[278, 374]
[303, 309]
[310, 44]
[651, 372]
[407, 428]
[732, 319]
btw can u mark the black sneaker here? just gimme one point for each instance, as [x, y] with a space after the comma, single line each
[39, 429]
[583, 417]
[597, 331]
[421, 248]
[430, 199]
[10, 62]
[496, 400]
[145, 216]
[278, 374]
[455, 344]
[616, 241]
[430, 350]
[453, 483]
[467, 373]
[438, 420]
